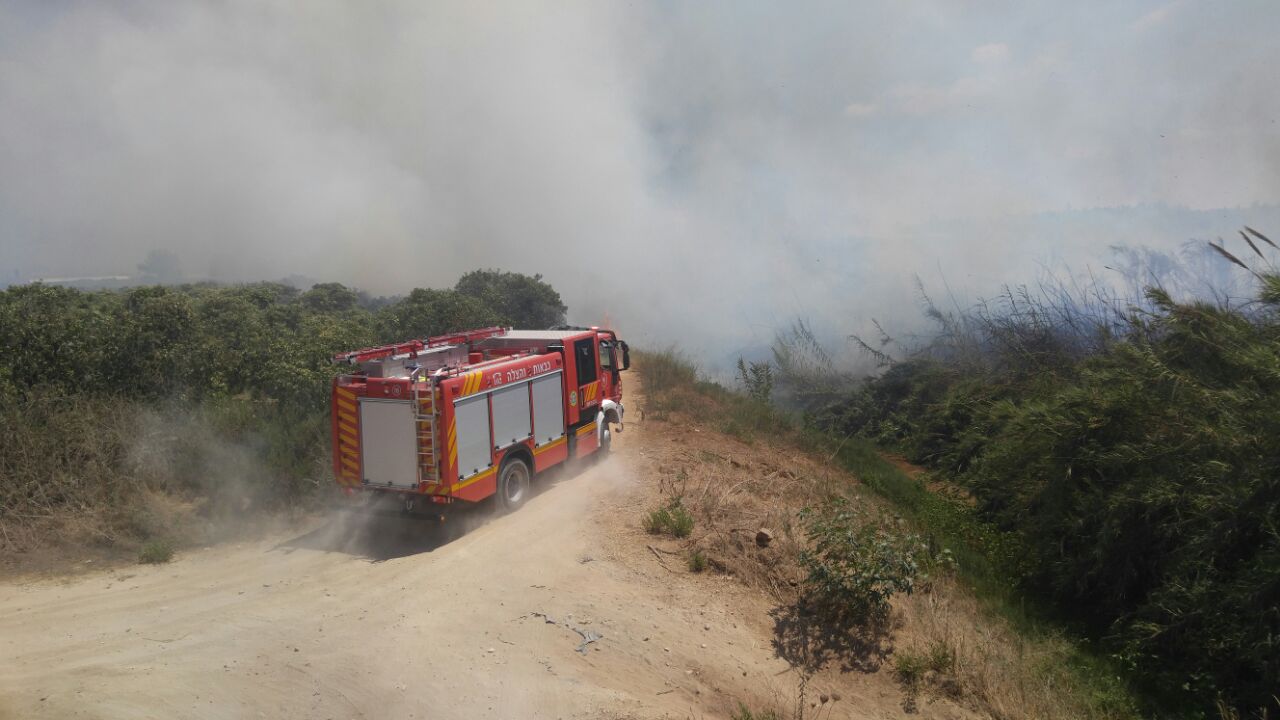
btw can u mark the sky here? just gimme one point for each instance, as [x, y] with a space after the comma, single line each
[693, 173]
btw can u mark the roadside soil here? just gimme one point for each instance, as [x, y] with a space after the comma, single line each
[358, 617]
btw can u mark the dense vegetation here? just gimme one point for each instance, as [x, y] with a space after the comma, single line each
[1135, 457]
[214, 392]
[846, 553]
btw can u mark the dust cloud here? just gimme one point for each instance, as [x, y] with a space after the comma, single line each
[697, 174]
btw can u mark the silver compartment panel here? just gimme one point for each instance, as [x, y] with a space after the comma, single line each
[548, 408]
[388, 443]
[475, 453]
[511, 422]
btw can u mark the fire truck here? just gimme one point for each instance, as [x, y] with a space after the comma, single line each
[466, 416]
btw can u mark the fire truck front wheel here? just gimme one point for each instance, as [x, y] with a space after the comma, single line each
[513, 483]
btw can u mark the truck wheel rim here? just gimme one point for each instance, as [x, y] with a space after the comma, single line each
[516, 481]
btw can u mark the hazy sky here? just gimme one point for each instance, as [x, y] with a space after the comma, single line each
[678, 167]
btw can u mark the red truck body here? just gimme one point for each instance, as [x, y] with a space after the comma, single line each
[468, 415]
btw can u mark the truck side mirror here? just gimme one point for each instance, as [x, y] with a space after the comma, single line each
[626, 356]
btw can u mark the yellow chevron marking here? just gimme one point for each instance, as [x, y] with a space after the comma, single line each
[348, 405]
[548, 446]
[347, 429]
[348, 450]
[346, 417]
[348, 462]
[346, 395]
[474, 479]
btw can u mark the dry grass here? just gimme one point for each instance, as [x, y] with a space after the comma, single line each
[940, 643]
[986, 665]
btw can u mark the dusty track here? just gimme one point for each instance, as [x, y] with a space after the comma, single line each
[340, 623]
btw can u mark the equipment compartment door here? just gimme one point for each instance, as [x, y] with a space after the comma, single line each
[388, 438]
[548, 408]
[475, 444]
[511, 421]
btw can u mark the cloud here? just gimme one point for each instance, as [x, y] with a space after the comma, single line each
[990, 54]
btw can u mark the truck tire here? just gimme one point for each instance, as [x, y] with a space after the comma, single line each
[606, 442]
[513, 483]
[606, 435]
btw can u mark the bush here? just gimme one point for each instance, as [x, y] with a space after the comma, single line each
[673, 519]
[697, 561]
[855, 563]
[1136, 473]
[156, 552]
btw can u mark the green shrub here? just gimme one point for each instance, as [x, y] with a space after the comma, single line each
[673, 519]
[656, 521]
[855, 562]
[156, 552]
[697, 561]
[681, 520]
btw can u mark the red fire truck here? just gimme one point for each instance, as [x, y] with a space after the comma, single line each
[474, 414]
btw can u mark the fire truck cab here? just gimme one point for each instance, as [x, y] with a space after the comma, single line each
[474, 414]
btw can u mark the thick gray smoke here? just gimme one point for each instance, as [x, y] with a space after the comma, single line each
[694, 173]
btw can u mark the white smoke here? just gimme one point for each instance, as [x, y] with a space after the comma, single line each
[698, 174]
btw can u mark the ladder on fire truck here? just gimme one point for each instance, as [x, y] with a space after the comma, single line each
[425, 415]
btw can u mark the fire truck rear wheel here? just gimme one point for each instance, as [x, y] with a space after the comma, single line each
[513, 483]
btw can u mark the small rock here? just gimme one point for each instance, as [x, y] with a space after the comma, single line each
[490, 650]
[706, 627]
[824, 698]
[704, 645]
[764, 536]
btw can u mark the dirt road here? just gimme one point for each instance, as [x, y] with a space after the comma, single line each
[324, 624]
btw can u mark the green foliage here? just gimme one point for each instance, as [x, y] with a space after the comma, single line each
[155, 552]
[1139, 481]
[520, 300]
[697, 561]
[911, 666]
[329, 298]
[665, 371]
[757, 379]
[434, 312]
[673, 519]
[238, 374]
[856, 562]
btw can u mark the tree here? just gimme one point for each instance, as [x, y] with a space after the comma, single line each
[160, 268]
[329, 297]
[433, 312]
[519, 300]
